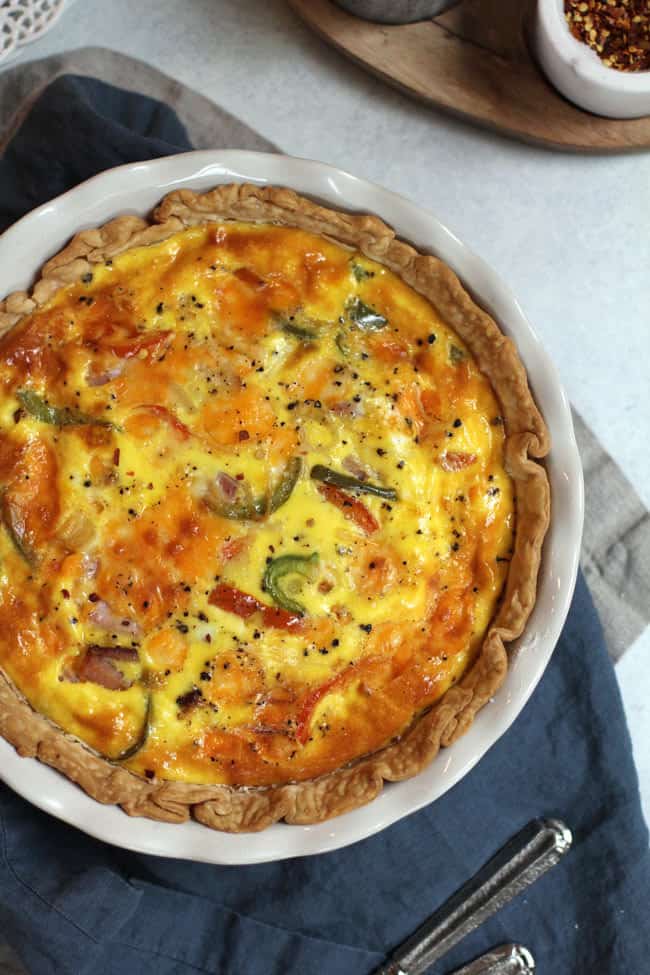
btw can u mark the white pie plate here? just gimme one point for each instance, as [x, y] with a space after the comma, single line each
[136, 189]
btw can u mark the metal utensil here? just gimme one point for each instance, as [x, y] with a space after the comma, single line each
[396, 11]
[505, 960]
[524, 859]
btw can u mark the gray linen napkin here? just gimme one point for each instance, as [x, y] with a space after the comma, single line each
[616, 546]
[208, 125]
[615, 553]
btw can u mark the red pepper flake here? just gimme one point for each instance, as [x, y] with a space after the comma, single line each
[116, 457]
[244, 435]
[617, 30]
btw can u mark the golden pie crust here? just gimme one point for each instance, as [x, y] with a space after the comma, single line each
[239, 809]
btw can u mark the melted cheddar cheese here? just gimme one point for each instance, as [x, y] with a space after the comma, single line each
[255, 517]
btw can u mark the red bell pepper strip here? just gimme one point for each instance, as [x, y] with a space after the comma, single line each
[351, 507]
[315, 696]
[310, 701]
[242, 604]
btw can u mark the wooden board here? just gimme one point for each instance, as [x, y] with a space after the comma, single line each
[474, 61]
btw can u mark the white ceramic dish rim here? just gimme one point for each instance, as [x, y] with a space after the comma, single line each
[585, 62]
[136, 188]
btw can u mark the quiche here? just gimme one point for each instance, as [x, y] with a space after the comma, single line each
[271, 508]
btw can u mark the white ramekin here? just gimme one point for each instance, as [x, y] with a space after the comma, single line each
[580, 75]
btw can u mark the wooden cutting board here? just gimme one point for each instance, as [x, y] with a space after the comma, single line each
[474, 61]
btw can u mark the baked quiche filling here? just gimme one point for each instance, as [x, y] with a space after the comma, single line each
[255, 516]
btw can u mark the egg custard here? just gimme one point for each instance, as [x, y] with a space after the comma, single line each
[270, 508]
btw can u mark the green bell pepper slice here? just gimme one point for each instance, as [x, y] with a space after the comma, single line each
[283, 566]
[348, 483]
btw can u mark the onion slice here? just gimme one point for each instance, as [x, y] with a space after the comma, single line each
[103, 616]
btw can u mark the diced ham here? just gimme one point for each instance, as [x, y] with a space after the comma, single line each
[96, 667]
[128, 654]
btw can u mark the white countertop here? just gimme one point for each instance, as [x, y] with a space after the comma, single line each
[569, 233]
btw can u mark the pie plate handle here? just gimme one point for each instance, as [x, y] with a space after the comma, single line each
[522, 861]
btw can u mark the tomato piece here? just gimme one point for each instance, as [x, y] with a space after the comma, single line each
[164, 414]
[352, 508]
[451, 461]
[148, 340]
[242, 604]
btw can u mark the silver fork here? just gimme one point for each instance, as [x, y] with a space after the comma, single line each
[522, 861]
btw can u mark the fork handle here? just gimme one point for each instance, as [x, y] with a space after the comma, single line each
[528, 855]
[504, 960]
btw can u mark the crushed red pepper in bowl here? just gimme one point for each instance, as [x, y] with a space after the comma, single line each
[617, 30]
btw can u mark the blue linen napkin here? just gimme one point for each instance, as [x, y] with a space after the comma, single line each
[71, 905]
